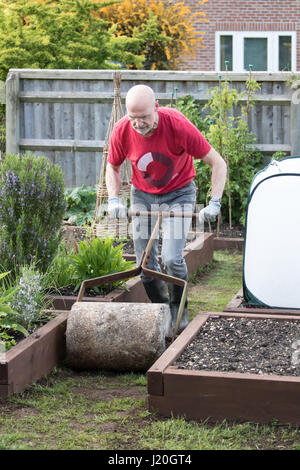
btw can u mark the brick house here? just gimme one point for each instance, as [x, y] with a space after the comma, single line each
[263, 33]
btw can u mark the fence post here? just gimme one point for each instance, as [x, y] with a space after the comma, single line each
[295, 123]
[12, 113]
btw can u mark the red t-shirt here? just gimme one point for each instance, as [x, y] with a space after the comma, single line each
[162, 162]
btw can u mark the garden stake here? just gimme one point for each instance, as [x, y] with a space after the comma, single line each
[142, 266]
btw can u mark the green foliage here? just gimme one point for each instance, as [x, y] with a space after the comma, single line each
[32, 206]
[154, 42]
[224, 122]
[97, 258]
[61, 271]
[64, 34]
[81, 202]
[8, 322]
[229, 134]
[279, 154]
[190, 107]
[30, 298]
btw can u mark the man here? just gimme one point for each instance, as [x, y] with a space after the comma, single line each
[161, 144]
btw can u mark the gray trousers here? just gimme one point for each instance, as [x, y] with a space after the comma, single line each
[173, 230]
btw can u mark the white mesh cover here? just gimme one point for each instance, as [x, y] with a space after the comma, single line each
[272, 239]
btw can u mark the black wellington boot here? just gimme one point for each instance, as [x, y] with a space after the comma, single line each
[156, 291]
[175, 293]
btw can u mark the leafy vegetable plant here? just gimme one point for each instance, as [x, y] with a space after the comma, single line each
[8, 315]
[61, 271]
[81, 202]
[98, 257]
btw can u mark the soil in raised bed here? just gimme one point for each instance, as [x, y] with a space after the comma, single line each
[89, 292]
[255, 346]
[225, 231]
[42, 319]
[77, 234]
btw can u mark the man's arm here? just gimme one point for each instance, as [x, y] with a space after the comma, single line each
[219, 172]
[113, 180]
[115, 209]
[218, 180]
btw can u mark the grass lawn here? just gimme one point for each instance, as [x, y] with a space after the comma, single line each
[97, 410]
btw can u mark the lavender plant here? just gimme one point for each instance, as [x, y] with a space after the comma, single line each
[32, 207]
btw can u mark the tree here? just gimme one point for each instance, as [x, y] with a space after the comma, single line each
[65, 34]
[167, 29]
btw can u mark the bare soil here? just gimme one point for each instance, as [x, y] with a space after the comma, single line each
[257, 346]
[228, 232]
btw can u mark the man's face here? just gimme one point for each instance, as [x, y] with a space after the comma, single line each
[143, 118]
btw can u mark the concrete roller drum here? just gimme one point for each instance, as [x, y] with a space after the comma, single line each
[122, 336]
[116, 336]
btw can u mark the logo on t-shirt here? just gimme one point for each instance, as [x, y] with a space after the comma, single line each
[156, 168]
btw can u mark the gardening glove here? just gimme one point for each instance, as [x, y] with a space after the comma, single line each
[115, 209]
[210, 212]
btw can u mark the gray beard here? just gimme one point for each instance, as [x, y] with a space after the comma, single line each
[145, 132]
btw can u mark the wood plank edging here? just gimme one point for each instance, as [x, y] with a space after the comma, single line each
[156, 371]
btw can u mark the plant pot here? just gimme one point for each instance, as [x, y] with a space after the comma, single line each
[214, 395]
[34, 356]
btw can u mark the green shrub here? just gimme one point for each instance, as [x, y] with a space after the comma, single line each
[97, 258]
[61, 271]
[191, 108]
[32, 207]
[229, 134]
[81, 203]
[227, 131]
[8, 316]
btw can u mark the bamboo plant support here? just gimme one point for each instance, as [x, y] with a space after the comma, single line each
[102, 225]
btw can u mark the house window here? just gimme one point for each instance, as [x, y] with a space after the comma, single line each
[285, 53]
[256, 53]
[265, 51]
[226, 52]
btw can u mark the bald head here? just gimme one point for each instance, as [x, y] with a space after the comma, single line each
[142, 109]
[140, 95]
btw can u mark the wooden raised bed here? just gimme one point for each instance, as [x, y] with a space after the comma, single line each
[224, 243]
[34, 356]
[199, 395]
[135, 293]
[197, 253]
[37, 354]
[236, 305]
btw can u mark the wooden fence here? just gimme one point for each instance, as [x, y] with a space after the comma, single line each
[64, 114]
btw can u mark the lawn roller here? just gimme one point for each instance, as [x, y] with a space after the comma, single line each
[118, 335]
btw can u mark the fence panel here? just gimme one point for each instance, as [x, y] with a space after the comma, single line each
[64, 114]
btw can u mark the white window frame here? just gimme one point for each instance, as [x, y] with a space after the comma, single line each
[238, 48]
